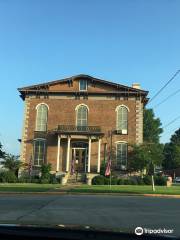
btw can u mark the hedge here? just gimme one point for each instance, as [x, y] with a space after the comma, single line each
[146, 180]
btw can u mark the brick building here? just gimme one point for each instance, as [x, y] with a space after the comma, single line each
[72, 123]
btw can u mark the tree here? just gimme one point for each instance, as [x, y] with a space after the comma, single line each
[151, 127]
[2, 153]
[172, 152]
[12, 163]
[145, 156]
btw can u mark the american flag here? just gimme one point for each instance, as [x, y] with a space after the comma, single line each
[30, 166]
[108, 168]
[73, 162]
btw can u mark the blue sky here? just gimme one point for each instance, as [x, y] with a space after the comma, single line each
[123, 41]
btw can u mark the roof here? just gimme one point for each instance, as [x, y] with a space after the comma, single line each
[46, 85]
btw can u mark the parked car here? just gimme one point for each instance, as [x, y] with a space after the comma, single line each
[177, 180]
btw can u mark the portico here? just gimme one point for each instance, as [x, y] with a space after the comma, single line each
[78, 149]
[75, 148]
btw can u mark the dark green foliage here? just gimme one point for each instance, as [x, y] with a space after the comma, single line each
[12, 163]
[151, 127]
[127, 181]
[44, 180]
[8, 177]
[120, 181]
[147, 180]
[45, 173]
[2, 153]
[139, 181]
[114, 181]
[53, 179]
[144, 156]
[160, 181]
[172, 152]
[103, 168]
[98, 180]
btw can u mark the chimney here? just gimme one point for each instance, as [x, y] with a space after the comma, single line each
[136, 85]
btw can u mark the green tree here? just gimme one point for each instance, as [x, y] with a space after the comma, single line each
[12, 163]
[2, 153]
[172, 152]
[151, 127]
[145, 156]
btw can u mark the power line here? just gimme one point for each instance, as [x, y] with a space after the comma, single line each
[158, 92]
[161, 89]
[168, 97]
[175, 119]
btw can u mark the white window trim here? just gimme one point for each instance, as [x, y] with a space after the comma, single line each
[42, 103]
[83, 90]
[76, 109]
[38, 139]
[119, 142]
[116, 110]
[37, 106]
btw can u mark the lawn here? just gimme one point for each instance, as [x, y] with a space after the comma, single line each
[124, 189]
[27, 187]
[127, 189]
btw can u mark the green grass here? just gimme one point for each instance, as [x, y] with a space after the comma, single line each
[27, 187]
[127, 189]
[124, 189]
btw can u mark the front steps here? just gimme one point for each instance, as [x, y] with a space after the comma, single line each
[76, 178]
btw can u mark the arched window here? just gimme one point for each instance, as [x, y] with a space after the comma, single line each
[122, 119]
[39, 151]
[121, 155]
[41, 117]
[81, 115]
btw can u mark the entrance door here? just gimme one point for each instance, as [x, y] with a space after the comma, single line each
[79, 155]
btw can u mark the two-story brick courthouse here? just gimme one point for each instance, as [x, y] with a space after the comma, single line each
[72, 122]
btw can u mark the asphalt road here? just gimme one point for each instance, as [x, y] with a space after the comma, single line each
[122, 212]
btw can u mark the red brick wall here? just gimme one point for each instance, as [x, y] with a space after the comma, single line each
[101, 113]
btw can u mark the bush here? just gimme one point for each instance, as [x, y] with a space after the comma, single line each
[98, 180]
[8, 177]
[147, 180]
[44, 180]
[106, 180]
[114, 181]
[45, 170]
[159, 180]
[120, 181]
[128, 181]
[139, 181]
[53, 179]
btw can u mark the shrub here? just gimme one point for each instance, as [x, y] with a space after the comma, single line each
[147, 180]
[127, 181]
[114, 181]
[159, 180]
[98, 180]
[8, 177]
[120, 181]
[106, 180]
[103, 168]
[44, 180]
[53, 179]
[45, 170]
[139, 181]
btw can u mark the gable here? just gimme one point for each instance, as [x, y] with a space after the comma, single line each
[71, 85]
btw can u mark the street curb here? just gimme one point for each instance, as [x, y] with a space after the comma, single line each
[90, 193]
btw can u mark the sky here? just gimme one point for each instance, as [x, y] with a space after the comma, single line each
[122, 41]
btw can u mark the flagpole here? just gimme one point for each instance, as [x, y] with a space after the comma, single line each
[110, 157]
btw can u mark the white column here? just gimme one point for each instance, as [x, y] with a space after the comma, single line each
[58, 153]
[99, 156]
[89, 156]
[68, 154]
